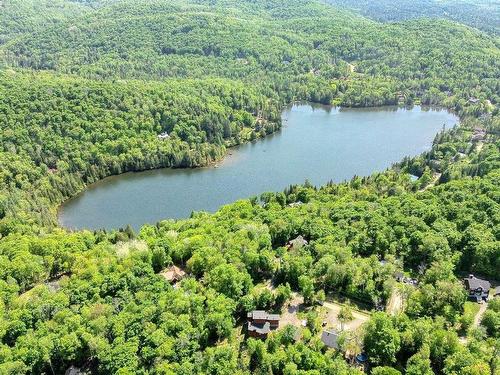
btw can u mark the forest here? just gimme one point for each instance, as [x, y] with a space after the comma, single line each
[95, 88]
[481, 14]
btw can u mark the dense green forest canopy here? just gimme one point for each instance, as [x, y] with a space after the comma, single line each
[94, 88]
[74, 131]
[18, 17]
[481, 14]
[271, 43]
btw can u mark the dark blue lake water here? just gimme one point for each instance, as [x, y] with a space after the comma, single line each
[317, 143]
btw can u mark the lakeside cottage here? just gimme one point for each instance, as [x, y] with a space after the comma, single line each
[260, 323]
[478, 289]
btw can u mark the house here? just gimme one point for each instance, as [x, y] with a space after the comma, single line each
[478, 289]
[163, 136]
[73, 370]
[330, 339]
[259, 331]
[473, 100]
[173, 274]
[296, 243]
[260, 323]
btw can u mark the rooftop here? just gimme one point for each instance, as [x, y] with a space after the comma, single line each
[262, 315]
[297, 242]
[330, 339]
[261, 329]
[173, 273]
[473, 283]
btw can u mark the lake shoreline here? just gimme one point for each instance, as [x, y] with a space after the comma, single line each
[232, 153]
[258, 139]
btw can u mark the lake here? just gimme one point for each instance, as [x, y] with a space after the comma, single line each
[317, 143]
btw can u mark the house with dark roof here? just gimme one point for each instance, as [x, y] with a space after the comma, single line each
[478, 289]
[73, 370]
[260, 323]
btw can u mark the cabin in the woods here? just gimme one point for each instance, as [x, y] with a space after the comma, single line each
[260, 323]
[478, 289]
[330, 339]
[173, 274]
[163, 136]
[296, 243]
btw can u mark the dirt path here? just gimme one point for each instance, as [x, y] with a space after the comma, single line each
[479, 315]
[333, 311]
[477, 320]
[289, 316]
[395, 303]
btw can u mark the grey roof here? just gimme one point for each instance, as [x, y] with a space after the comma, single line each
[73, 370]
[257, 314]
[330, 339]
[473, 283]
[262, 315]
[298, 242]
[259, 328]
[496, 292]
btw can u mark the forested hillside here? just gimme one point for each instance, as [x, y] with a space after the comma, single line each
[481, 14]
[279, 43]
[90, 89]
[63, 132]
[18, 17]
